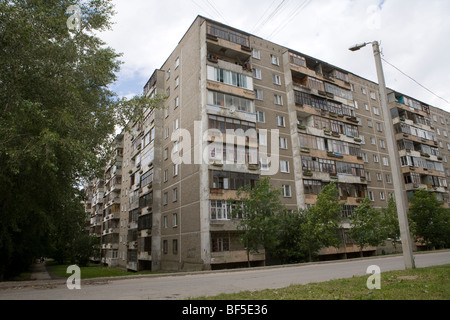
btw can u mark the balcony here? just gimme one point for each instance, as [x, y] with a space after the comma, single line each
[227, 42]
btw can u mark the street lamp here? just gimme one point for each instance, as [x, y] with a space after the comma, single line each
[400, 196]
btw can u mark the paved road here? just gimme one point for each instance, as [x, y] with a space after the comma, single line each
[157, 287]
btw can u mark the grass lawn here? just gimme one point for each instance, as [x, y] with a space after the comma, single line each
[431, 283]
[91, 271]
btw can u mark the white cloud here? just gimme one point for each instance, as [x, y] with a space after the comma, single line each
[413, 33]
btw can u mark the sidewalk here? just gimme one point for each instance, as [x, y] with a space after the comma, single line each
[39, 272]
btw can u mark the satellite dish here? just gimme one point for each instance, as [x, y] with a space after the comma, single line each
[232, 109]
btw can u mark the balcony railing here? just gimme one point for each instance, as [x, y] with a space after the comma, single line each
[223, 33]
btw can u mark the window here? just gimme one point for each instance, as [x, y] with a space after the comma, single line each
[283, 143]
[365, 158]
[388, 178]
[382, 197]
[177, 82]
[175, 169]
[275, 60]
[166, 175]
[363, 90]
[281, 121]
[168, 75]
[286, 190]
[175, 124]
[165, 221]
[229, 77]
[278, 100]
[177, 62]
[256, 54]
[258, 94]
[373, 95]
[166, 153]
[371, 198]
[257, 74]
[385, 161]
[297, 60]
[379, 177]
[175, 246]
[376, 111]
[166, 133]
[260, 116]
[264, 164]
[165, 247]
[372, 140]
[220, 244]
[165, 198]
[175, 220]
[284, 166]
[276, 79]
[229, 101]
[262, 138]
[176, 102]
[375, 158]
[369, 123]
[382, 144]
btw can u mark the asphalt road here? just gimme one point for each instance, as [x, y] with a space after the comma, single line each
[182, 286]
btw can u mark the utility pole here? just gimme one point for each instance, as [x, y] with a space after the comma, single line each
[400, 194]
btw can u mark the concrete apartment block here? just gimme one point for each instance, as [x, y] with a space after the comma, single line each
[308, 123]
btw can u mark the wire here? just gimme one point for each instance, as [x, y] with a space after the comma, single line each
[217, 11]
[273, 14]
[257, 25]
[288, 20]
[414, 80]
[201, 8]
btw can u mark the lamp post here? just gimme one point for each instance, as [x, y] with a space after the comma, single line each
[400, 195]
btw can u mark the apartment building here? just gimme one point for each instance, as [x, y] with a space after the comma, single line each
[239, 108]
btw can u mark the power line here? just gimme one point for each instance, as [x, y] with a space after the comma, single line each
[202, 8]
[415, 80]
[216, 10]
[273, 13]
[257, 25]
[288, 20]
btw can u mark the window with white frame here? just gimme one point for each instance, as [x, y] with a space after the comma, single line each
[284, 166]
[258, 94]
[256, 54]
[260, 116]
[281, 121]
[283, 143]
[264, 163]
[275, 60]
[256, 74]
[375, 158]
[262, 138]
[373, 95]
[286, 190]
[278, 100]
[174, 220]
[175, 195]
[371, 198]
[177, 62]
[382, 197]
[276, 79]
[385, 161]
[376, 111]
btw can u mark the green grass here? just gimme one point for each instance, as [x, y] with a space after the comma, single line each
[431, 283]
[91, 271]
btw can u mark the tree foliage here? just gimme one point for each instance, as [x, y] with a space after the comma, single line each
[429, 220]
[57, 118]
[321, 221]
[366, 226]
[258, 211]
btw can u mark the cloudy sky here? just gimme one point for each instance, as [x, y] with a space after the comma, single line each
[414, 36]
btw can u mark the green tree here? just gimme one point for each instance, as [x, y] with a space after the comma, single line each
[290, 244]
[57, 117]
[258, 211]
[429, 220]
[390, 223]
[320, 223]
[366, 226]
